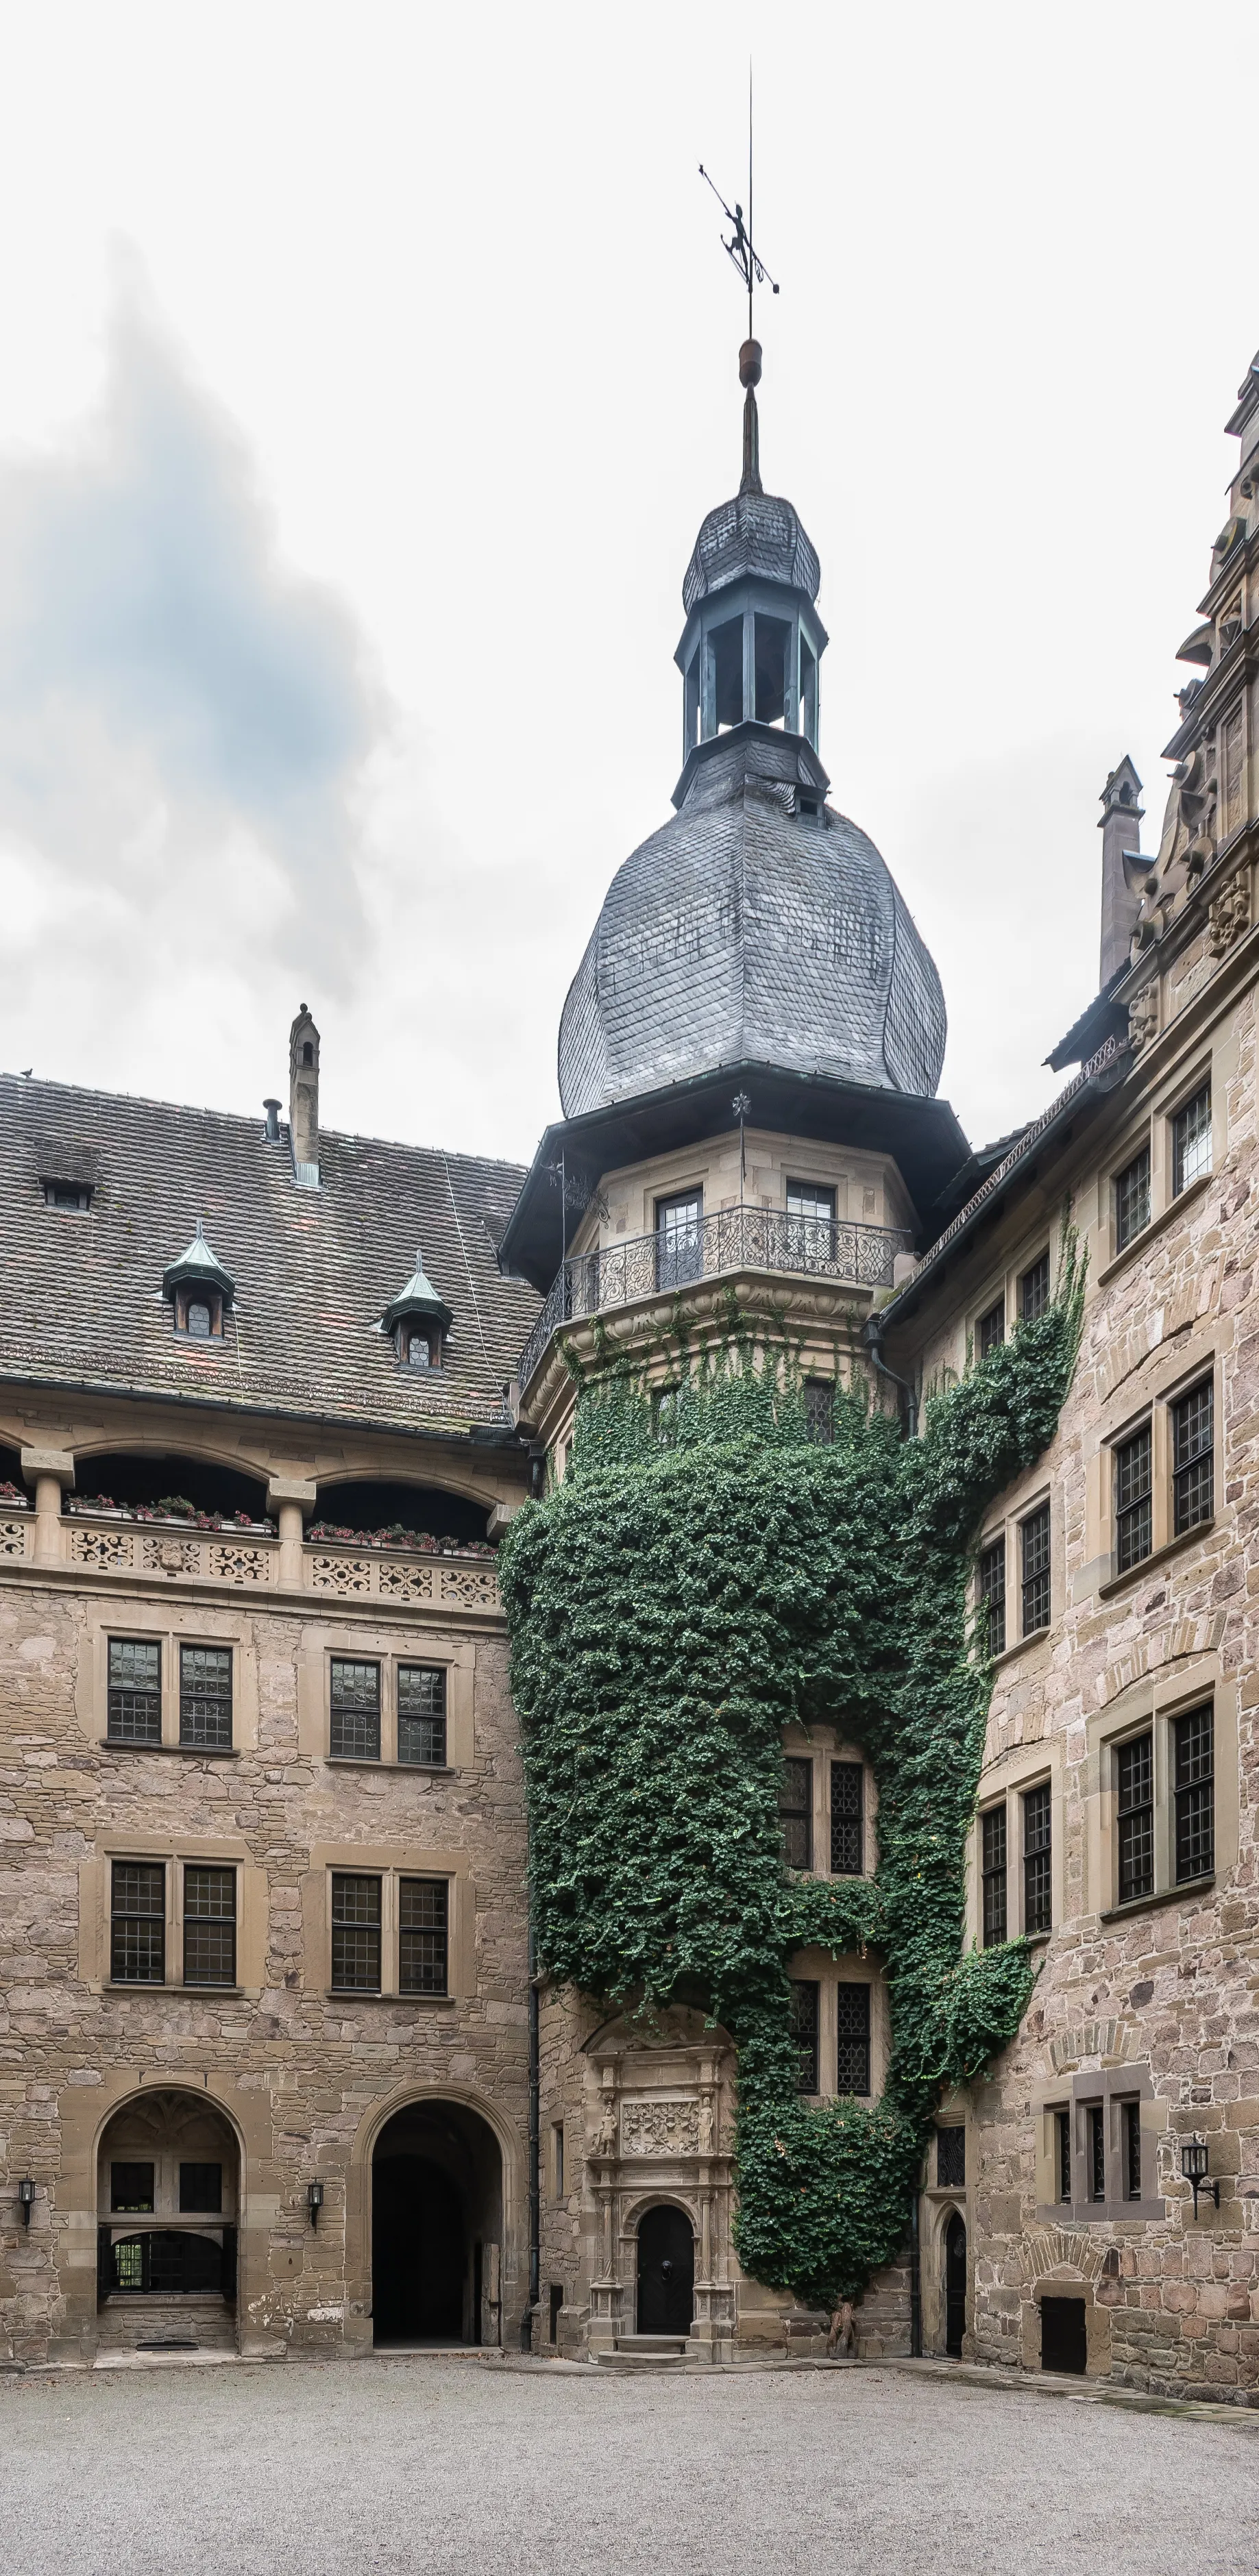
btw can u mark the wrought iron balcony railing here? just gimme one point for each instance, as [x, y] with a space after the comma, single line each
[703, 1247]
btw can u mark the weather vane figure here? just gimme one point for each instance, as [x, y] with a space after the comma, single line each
[752, 269]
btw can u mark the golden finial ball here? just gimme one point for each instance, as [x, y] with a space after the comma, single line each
[750, 363]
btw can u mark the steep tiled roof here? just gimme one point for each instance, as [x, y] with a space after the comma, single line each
[81, 1294]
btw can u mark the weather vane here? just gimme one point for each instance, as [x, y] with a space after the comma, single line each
[741, 248]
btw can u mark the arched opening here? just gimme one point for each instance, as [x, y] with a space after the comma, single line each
[367, 1506]
[666, 2271]
[167, 2207]
[437, 2227]
[955, 2284]
[143, 1478]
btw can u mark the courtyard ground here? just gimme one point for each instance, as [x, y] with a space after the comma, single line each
[433, 2462]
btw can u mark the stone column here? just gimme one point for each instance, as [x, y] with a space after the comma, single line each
[51, 1472]
[292, 1499]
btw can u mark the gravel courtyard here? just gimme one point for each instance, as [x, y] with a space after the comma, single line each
[426, 2462]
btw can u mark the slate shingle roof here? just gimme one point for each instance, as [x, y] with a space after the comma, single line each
[80, 1294]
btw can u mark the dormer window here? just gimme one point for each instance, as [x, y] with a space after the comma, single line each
[419, 1321]
[71, 1196]
[200, 1291]
[417, 1349]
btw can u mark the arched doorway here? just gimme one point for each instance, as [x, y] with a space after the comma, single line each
[437, 2225]
[955, 2284]
[666, 2271]
[167, 2209]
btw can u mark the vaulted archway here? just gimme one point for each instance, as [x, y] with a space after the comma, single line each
[437, 2227]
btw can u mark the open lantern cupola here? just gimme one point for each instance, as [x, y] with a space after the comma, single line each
[200, 1290]
[419, 1321]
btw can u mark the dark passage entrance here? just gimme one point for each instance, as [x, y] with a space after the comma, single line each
[666, 2272]
[436, 2228]
[955, 2285]
[1062, 2334]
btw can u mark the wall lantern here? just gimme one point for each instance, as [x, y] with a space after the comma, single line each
[26, 2198]
[1194, 2157]
[314, 2201]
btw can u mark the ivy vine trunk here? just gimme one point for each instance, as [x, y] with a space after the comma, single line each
[671, 1612]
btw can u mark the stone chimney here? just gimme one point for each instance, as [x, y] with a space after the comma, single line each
[1120, 828]
[304, 1098]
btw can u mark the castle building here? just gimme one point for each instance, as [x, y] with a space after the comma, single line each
[276, 2072]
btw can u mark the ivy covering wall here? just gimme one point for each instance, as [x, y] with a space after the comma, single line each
[671, 1612]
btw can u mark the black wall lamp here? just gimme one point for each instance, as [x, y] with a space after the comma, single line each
[26, 2198]
[1194, 2157]
[314, 2201]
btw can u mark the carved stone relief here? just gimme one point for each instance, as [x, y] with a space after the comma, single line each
[1230, 913]
[659, 2128]
[1143, 1017]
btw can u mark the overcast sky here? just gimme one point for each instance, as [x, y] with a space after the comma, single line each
[367, 370]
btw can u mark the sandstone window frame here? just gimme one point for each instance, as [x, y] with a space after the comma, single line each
[1093, 2100]
[1154, 1132]
[829, 1972]
[135, 1622]
[828, 1749]
[454, 1659]
[175, 1854]
[390, 1864]
[1005, 1784]
[1007, 1533]
[1179, 1379]
[1153, 1705]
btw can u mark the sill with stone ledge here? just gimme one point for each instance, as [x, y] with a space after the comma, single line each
[1157, 1224]
[134, 1744]
[1158, 1556]
[374, 1995]
[1035, 1637]
[374, 1762]
[1187, 1887]
[154, 1986]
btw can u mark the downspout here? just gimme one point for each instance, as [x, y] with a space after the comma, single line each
[915, 2280]
[874, 1345]
[535, 2194]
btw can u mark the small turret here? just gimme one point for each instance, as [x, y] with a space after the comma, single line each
[304, 1098]
[1123, 869]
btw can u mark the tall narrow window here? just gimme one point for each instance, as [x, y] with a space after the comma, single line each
[557, 2157]
[1034, 1290]
[1038, 1858]
[355, 1933]
[795, 1806]
[205, 1696]
[848, 1857]
[804, 2021]
[852, 2064]
[355, 1730]
[422, 1714]
[1191, 1140]
[993, 1847]
[1034, 1540]
[1134, 1782]
[1132, 2151]
[423, 1908]
[1134, 1526]
[990, 1330]
[1062, 2144]
[1097, 2150]
[137, 1950]
[1132, 1199]
[810, 1225]
[209, 1926]
[992, 1598]
[951, 2158]
[135, 1691]
[1195, 1795]
[819, 1410]
[1193, 1463]
[679, 1240]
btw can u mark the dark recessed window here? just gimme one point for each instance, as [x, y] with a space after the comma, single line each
[355, 1731]
[1134, 1784]
[990, 1329]
[852, 2064]
[951, 2158]
[1034, 1290]
[74, 1198]
[201, 2188]
[1193, 1465]
[135, 1691]
[992, 1871]
[209, 1926]
[679, 1240]
[423, 1907]
[205, 1696]
[1132, 2151]
[810, 1225]
[1062, 2143]
[804, 2029]
[355, 1933]
[1194, 1736]
[1034, 1543]
[666, 1406]
[422, 1713]
[795, 1806]
[137, 1950]
[1038, 1858]
[1132, 1199]
[131, 2187]
[1134, 1526]
[819, 1410]
[1097, 2151]
[1191, 1140]
[992, 1598]
[848, 1858]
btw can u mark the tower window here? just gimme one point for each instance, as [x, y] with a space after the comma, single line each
[773, 643]
[308, 1052]
[725, 644]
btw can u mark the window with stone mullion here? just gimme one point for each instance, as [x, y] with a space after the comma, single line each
[1134, 1525]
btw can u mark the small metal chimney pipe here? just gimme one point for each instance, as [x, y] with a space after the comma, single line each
[272, 1108]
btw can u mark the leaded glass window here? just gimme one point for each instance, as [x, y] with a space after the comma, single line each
[1034, 1290]
[209, 1926]
[991, 1589]
[819, 1410]
[137, 1950]
[1038, 1858]
[355, 1932]
[804, 2031]
[795, 1806]
[1134, 1525]
[1134, 1783]
[198, 1320]
[1194, 1737]
[355, 1730]
[423, 1905]
[852, 2064]
[422, 1713]
[1034, 1541]
[205, 1696]
[993, 1872]
[1132, 1199]
[135, 1691]
[951, 2158]
[1191, 1140]
[1193, 1463]
[848, 1857]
